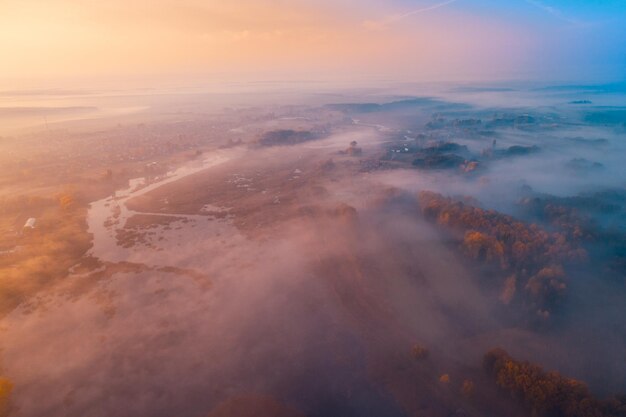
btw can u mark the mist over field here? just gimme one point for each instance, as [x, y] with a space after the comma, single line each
[286, 209]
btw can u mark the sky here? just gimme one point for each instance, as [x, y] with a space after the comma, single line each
[247, 40]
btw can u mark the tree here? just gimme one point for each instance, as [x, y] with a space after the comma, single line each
[66, 200]
[419, 352]
[467, 389]
[6, 387]
[547, 394]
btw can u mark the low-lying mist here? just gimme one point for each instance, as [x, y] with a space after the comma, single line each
[329, 257]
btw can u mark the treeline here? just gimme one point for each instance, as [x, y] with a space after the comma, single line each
[6, 387]
[530, 258]
[25, 204]
[581, 220]
[46, 253]
[547, 394]
[285, 137]
[10, 205]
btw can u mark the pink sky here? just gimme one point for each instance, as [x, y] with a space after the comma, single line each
[420, 40]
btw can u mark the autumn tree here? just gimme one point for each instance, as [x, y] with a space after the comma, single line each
[419, 352]
[6, 387]
[530, 258]
[467, 389]
[547, 394]
[66, 200]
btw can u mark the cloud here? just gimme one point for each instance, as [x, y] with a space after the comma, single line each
[552, 11]
[380, 24]
[424, 9]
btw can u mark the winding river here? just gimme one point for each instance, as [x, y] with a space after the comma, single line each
[106, 217]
